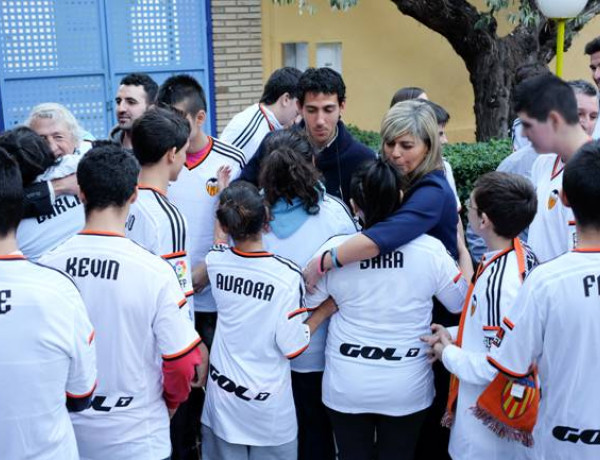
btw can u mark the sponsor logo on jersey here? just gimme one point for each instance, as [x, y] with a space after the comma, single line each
[552, 199]
[569, 434]
[368, 352]
[99, 403]
[212, 186]
[515, 404]
[228, 385]
[181, 269]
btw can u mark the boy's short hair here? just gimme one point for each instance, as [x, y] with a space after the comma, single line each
[11, 194]
[186, 89]
[441, 115]
[540, 95]
[157, 131]
[509, 201]
[322, 80]
[107, 176]
[284, 80]
[592, 46]
[31, 152]
[406, 94]
[142, 79]
[582, 187]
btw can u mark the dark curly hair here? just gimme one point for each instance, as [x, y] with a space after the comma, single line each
[286, 173]
[242, 212]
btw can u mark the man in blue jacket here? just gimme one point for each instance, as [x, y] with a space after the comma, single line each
[321, 102]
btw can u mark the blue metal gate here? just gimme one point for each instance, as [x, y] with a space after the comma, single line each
[76, 51]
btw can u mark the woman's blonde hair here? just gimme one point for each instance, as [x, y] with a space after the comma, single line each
[416, 118]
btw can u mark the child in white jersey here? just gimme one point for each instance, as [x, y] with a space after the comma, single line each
[249, 409]
[303, 217]
[556, 325]
[47, 347]
[500, 207]
[548, 111]
[378, 383]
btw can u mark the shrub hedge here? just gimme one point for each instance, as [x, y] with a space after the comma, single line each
[468, 161]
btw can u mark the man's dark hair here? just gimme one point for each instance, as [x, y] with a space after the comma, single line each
[509, 201]
[538, 96]
[157, 131]
[142, 79]
[29, 150]
[583, 87]
[11, 194]
[582, 187]
[242, 211]
[375, 189]
[592, 46]
[186, 89]
[107, 176]
[322, 80]
[441, 115]
[284, 80]
[406, 94]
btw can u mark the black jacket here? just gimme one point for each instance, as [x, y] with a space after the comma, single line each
[337, 162]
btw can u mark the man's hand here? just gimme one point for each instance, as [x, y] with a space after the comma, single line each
[65, 185]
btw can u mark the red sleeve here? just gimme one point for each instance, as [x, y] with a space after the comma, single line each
[177, 376]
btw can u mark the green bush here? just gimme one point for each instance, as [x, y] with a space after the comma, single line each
[468, 161]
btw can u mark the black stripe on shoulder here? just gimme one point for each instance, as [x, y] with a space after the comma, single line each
[248, 126]
[334, 236]
[229, 151]
[250, 130]
[175, 221]
[288, 263]
[66, 275]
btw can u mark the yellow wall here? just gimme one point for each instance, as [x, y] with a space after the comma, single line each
[383, 50]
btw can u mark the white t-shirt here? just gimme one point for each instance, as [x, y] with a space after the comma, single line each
[46, 352]
[157, 225]
[385, 305]
[557, 326]
[260, 300]
[552, 231]
[493, 297]
[333, 219]
[248, 128]
[134, 301]
[37, 235]
[451, 182]
[196, 195]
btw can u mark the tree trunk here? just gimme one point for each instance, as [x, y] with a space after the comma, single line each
[492, 75]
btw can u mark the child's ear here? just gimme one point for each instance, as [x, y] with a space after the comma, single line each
[200, 117]
[353, 207]
[81, 196]
[484, 221]
[171, 154]
[563, 198]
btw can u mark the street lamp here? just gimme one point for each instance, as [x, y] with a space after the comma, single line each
[560, 11]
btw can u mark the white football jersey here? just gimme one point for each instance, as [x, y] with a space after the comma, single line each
[260, 300]
[37, 235]
[46, 353]
[196, 195]
[555, 324]
[333, 219]
[498, 281]
[155, 223]
[552, 231]
[373, 344]
[247, 129]
[133, 299]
